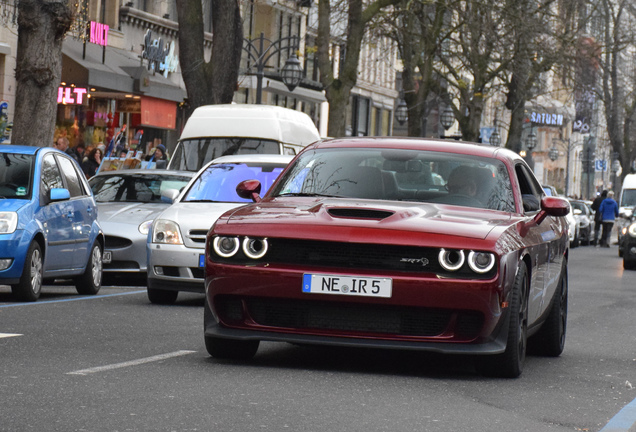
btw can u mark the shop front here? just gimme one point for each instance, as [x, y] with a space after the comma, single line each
[106, 90]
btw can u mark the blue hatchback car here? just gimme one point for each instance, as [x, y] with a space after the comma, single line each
[48, 222]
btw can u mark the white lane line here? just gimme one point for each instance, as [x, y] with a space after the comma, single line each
[5, 335]
[131, 363]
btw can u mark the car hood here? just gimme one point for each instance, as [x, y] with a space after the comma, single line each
[11, 205]
[128, 213]
[437, 219]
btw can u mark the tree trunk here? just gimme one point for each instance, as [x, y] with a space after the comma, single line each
[212, 82]
[41, 29]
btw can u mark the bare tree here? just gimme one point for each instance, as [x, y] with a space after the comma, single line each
[338, 87]
[42, 25]
[215, 81]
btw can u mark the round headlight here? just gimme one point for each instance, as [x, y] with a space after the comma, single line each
[632, 230]
[225, 246]
[255, 248]
[451, 260]
[481, 262]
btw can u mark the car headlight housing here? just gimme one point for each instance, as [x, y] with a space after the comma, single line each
[632, 230]
[451, 260]
[8, 222]
[144, 227]
[167, 232]
[481, 262]
[226, 247]
[255, 248]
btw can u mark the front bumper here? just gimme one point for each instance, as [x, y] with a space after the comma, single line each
[431, 314]
[175, 267]
[14, 247]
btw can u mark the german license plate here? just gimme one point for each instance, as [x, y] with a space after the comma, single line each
[347, 285]
[107, 257]
[201, 260]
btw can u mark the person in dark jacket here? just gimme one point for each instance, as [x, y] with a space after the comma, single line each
[609, 213]
[62, 144]
[597, 215]
[91, 164]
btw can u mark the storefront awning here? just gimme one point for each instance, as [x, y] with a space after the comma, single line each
[121, 71]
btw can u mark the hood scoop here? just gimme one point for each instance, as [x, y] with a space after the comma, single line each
[358, 213]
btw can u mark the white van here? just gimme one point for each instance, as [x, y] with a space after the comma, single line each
[627, 199]
[213, 131]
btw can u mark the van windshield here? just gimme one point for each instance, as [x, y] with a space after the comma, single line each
[193, 154]
[629, 198]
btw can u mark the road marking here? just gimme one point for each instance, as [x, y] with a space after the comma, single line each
[624, 420]
[71, 299]
[131, 363]
[5, 335]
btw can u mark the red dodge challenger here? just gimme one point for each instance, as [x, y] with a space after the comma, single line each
[411, 244]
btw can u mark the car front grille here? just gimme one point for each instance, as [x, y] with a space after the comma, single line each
[127, 265]
[197, 235]
[359, 256]
[342, 318]
[115, 242]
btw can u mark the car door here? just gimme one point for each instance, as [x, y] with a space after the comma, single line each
[543, 240]
[56, 218]
[83, 209]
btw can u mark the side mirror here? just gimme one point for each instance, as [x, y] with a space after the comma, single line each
[59, 194]
[552, 206]
[249, 189]
[169, 195]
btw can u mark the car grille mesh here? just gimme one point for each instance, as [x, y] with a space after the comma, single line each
[114, 242]
[336, 317]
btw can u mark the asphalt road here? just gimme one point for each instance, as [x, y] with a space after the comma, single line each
[114, 362]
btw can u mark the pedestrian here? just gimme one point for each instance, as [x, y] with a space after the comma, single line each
[597, 215]
[62, 144]
[91, 164]
[609, 213]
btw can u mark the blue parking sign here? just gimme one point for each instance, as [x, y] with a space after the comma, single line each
[600, 165]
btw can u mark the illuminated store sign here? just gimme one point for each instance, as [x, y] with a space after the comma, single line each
[99, 33]
[71, 95]
[546, 118]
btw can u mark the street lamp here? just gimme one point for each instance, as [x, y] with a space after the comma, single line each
[402, 112]
[495, 139]
[553, 154]
[447, 118]
[531, 141]
[292, 72]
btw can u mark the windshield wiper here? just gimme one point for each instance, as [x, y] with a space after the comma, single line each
[306, 194]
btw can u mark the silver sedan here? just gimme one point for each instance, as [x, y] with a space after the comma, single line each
[127, 202]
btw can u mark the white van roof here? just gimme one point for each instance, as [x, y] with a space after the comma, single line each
[251, 121]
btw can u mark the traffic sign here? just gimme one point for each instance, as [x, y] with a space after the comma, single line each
[600, 165]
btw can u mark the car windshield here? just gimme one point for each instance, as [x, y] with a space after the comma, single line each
[218, 182]
[134, 187]
[578, 206]
[400, 174]
[193, 154]
[629, 198]
[16, 180]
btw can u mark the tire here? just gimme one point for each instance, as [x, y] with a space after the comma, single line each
[629, 264]
[162, 297]
[232, 349]
[90, 282]
[550, 339]
[509, 364]
[29, 287]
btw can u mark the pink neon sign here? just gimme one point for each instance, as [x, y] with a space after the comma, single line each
[99, 33]
[70, 95]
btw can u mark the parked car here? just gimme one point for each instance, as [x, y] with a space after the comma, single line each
[627, 241]
[584, 222]
[573, 227]
[128, 202]
[176, 245]
[48, 222]
[355, 245]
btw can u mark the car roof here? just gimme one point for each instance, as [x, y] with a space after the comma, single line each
[420, 144]
[27, 150]
[145, 172]
[247, 158]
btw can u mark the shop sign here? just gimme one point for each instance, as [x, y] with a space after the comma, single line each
[548, 119]
[99, 33]
[159, 59]
[126, 105]
[71, 95]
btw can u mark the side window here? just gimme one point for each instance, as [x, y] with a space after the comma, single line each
[529, 189]
[51, 177]
[72, 179]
